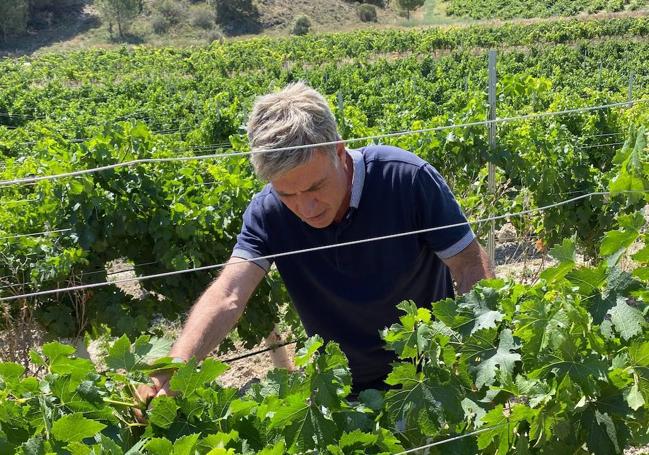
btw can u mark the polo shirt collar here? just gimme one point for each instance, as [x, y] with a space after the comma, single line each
[358, 179]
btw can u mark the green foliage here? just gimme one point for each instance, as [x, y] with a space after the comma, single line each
[484, 9]
[237, 17]
[97, 108]
[301, 25]
[13, 17]
[173, 11]
[119, 12]
[202, 16]
[535, 368]
[367, 13]
[409, 5]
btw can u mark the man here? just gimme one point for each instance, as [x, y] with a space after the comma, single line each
[327, 195]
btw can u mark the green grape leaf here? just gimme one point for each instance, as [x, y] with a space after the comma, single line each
[372, 398]
[120, 356]
[185, 445]
[601, 435]
[628, 321]
[304, 425]
[75, 427]
[304, 355]
[472, 412]
[565, 255]
[449, 313]
[539, 322]
[589, 280]
[500, 424]
[639, 361]
[585, 372]
[615, 243]
[634, 397]
[359, 442]
[218, 440]
[163, 411]
[11, 372]
[55, 350]
[422, 402]
[502, 360]
[159, 446]
[188, 378]
[279, 448]
[642, 256]
[331, 379]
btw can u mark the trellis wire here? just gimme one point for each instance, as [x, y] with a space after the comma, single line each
[35, 234]
[454, 438]
[323, 144]
[83, 274]
[309, 250]
[584, 147]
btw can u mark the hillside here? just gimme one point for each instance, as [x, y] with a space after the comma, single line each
[184, 23]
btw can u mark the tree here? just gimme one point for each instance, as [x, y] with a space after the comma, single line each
[301, 25]
[410, 5]
[367, 13]
[13, 17]
[237, 17]
[119, 12]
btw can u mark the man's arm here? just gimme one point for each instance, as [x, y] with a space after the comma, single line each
[212, 317]
[217, 311]
[469, 266]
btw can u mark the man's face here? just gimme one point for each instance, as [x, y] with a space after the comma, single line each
[318, 190]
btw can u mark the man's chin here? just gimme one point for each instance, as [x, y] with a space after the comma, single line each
[319, 222]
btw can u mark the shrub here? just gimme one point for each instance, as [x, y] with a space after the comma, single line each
[301, 25]
[172, 10]
[215, 35]
[119, 12]
[13, 17]
[367, 13]
[379, 3]
[159, 23]
[237, 17]
[202, 16]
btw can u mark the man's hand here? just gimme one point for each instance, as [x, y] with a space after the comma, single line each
[146, 393]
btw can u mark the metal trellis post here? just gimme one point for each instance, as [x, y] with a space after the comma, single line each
[491, 242]
[341, 113]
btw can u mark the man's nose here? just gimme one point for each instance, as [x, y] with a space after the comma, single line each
[308, 206]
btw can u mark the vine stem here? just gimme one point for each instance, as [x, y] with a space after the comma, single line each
[120, 403]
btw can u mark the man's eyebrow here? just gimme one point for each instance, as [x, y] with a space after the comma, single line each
[312, 187]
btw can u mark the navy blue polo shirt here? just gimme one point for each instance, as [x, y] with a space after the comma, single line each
[348, 294]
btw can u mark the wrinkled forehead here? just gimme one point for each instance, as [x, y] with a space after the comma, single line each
[305, 177]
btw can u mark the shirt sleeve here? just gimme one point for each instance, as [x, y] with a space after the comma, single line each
[437, 207]
[252, 241]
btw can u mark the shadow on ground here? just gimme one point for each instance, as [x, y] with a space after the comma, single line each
[44, 33]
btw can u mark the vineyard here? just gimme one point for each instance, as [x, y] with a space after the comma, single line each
[157, 140]
[529, 8]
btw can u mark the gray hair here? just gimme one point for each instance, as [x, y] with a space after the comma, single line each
[298, 115]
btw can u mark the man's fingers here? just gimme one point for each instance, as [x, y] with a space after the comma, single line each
[161, 383]
[145, 393]
[139, 415]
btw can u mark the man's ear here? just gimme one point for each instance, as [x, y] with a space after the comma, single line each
[340, 151]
